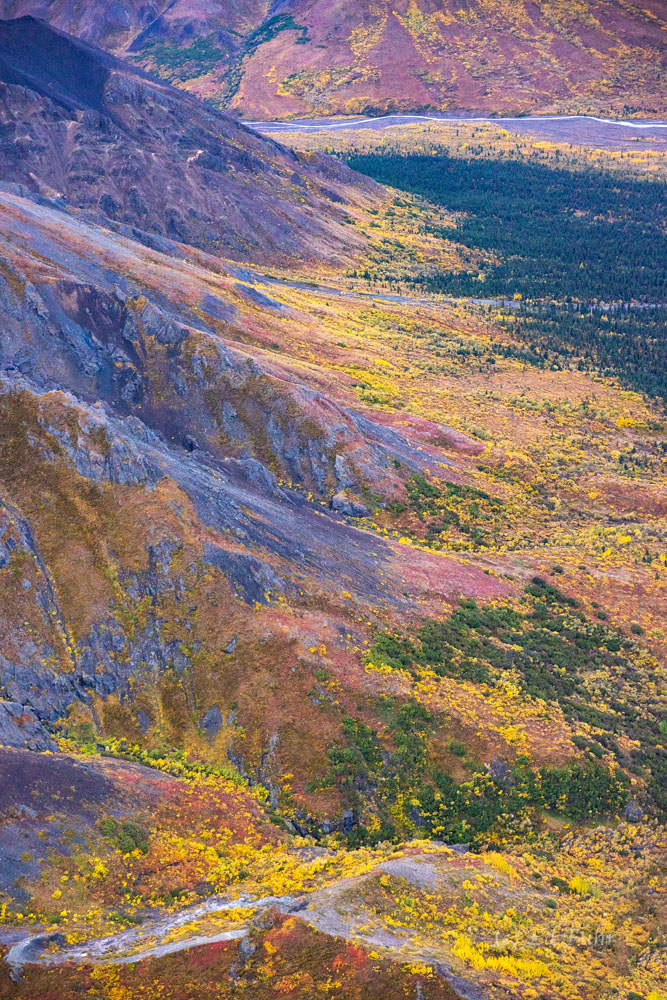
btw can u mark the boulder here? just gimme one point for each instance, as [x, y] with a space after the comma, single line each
[255, 474]
[633, 812]
[341, 503]
[500, 771]
[349, 820]
[157, 323]
[212, 722]
[144, 720]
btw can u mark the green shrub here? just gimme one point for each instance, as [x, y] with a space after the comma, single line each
[125, 835]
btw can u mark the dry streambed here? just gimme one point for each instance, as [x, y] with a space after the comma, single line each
[328, 909]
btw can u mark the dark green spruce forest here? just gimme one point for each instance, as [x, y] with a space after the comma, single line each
[586, 252]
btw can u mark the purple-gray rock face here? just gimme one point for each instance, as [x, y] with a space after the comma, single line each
[20, 727]
[212, 722]
[112, 386]
[84, 129]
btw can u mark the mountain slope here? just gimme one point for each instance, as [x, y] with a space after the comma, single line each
[80, 125]
[300, 57]
[132, 376]
[302, 579]
[480, 55]
[249, 426]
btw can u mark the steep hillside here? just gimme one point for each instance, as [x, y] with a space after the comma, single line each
[299, 57]
[85, 129]
[240, 546]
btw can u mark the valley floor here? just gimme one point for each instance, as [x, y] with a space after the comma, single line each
[582, 130]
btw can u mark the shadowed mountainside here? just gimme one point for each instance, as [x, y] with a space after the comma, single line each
[53, 65]
[81, 126]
